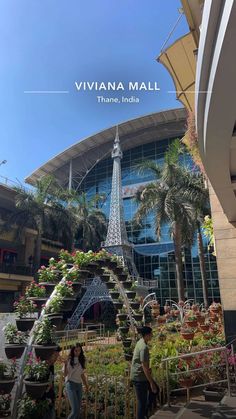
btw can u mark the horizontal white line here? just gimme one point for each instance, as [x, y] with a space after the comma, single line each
[42, 92]
[189, 91]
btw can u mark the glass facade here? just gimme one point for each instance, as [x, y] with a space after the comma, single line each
[154, 259]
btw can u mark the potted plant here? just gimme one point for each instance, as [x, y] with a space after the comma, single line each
[137, 315]
[5, 405]
[161, 319]
[36, 293]
[65, 290]
[135, 304]
[114, 294]
[7, 377]
[128, 352]
[48, 277]
[205, 327]
[123, 327]
[191, 319]
[127, 342]
[118, 304]
[127, 285]
[25, 309]
[15, 341]
[186, 380]
[111, 285]
[52, 311]
[187, 333]
[44, 342]
[215, 307]
[29, 408]
[131, 295]
[162, 336]
[122, 315]
[36, 377]
[105, 277]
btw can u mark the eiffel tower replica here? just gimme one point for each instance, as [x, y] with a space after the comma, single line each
[117, 241]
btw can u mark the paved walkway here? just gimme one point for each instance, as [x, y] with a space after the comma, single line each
[198, 409]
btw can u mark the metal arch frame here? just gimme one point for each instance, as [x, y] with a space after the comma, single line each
[95, 293]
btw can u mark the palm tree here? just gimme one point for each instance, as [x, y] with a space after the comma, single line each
[169, 196]
[91, 223]
[39, 209]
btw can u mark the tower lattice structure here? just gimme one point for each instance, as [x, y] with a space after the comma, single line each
[117, 241]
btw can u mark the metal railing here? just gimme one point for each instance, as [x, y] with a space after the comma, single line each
[166, 361]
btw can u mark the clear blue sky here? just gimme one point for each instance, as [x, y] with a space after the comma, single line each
[50, 44]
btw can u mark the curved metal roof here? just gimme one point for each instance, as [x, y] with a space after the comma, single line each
[86, 153]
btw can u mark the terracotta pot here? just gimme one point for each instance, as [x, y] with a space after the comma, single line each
[49, 286]
[201, 320]
[186, 382]
[68, 303]
[34, 389]
[205, 327]
[14, 350]
[188, 336]
[44, 352]
[191, 323]
[6, 386]
[25, 324]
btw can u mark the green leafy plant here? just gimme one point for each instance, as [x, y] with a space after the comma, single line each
[5, 402]
[36, 370]
[7, 370]
[14, 336]
[65, 289]
[54, 305]
[24, 307]
[44, 332]
[29, 408]
[47, 274]
[35, 290]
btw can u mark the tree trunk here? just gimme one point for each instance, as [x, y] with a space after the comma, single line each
[202, 265]
[178, 263]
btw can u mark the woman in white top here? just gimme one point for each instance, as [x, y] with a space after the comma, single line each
[74, 377]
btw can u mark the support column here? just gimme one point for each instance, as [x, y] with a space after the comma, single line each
[225, 244]
[70, 176]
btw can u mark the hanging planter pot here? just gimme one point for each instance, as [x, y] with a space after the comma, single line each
[127, 343]
[83, 274]
[25, 324]
[191, 323]
[131, 294]
[68, 303]
[122, 316]
[76, 287]
[122, 277]
[39, 301]
[128, 357]
[123, 330]
[34, 389]
[139, 328]
[205, 327]
[187, 336]
[135, 305]
[112, 264]
[111, 285]
[127, 285]
[92, 266]
[186, 382]
[138, 317]
[7, 385]
[114, 294]
[118, 305]
[56, 320]
[44, 352]
[118, 270]
[105, 277]
[49, 287]
[14, 350]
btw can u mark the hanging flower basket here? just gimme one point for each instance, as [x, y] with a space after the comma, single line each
[25, 324]
[124, 329]
[138, 317]
[34, 389]
[14, 350]
[68, 303]
[122, 277]
[44, 352]
[7, 385]
[118, 270]
[49, 287]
